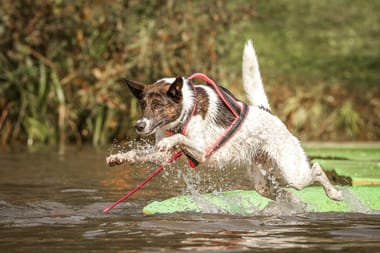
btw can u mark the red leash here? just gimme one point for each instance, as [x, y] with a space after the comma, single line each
[138, 187]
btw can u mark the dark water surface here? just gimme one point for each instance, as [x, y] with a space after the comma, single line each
[50, 203]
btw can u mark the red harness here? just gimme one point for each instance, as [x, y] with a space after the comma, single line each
[238, 109]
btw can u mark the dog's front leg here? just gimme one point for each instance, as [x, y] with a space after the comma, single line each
[138, 156]
[179, 141]
[120, 158]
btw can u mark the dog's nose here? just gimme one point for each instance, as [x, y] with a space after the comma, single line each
[140, 126]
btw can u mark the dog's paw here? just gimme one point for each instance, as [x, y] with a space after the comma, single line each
[165, 144]
[118, 159]
[336, 195]
[113, 160]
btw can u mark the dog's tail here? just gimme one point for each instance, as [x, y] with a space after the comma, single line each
[252, 82]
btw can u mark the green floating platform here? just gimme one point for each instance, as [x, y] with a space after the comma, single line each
[357, 199]
[357, 162]
[360, 162]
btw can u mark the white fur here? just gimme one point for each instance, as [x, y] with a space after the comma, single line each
[252, 82]
[260, 134]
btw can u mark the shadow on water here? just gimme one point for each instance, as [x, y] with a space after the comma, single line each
[55, 204]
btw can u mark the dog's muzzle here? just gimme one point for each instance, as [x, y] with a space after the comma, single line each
[146, 127]
[140, 125]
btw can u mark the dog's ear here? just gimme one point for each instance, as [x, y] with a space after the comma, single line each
[135, 87]
[175, 90]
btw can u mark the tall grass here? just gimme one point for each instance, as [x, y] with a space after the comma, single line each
[59, 62]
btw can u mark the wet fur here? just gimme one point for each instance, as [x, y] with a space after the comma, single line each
[263, 145]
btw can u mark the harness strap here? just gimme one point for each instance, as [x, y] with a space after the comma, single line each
[230, 131]
[226, 98]
[237, 108]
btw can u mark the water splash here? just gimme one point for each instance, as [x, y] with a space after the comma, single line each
[125, 146]
[284, 208]
[199, 181]
[354, 204]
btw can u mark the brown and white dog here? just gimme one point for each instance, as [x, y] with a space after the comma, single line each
[263, 145]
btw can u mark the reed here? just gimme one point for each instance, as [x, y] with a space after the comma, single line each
[60, 60]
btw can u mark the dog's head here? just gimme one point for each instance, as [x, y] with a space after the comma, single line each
[161, 103]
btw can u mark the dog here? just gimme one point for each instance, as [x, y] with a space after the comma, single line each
[263, 145]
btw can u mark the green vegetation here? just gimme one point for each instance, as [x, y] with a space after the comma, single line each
[59, 62]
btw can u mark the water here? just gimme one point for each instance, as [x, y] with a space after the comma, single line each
[50, 203]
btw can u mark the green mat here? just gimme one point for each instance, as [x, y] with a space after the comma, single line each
[358, 162]
[354, 151]
[365, 198]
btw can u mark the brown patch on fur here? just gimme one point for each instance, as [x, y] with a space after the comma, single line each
[264, 160]
[155, 104]
[268, 165]
[225, 116]
[158, 87]
[202, 102]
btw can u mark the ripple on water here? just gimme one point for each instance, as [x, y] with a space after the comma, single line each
[51, 213]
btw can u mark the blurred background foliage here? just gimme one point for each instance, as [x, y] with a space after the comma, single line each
[60, 59]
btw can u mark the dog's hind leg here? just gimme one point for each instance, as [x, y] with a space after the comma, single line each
[268, 185]
[260, 181]
[320, 177]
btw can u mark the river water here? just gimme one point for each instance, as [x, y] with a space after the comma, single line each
[52, 203]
